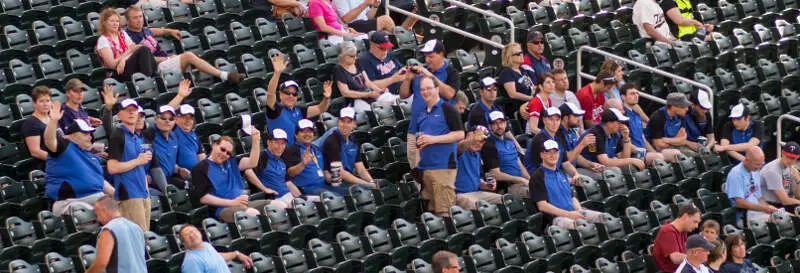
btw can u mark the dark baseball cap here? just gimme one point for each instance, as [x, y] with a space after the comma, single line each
[791, 150]
[697, 241]
[381, 39]
[534, 35]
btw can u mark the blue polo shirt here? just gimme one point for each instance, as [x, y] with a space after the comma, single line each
[606, 144]
[532, 159]
[189, 146]
[479, 114]
[447, 75]
[311, 177]
[506, 153]
[124, 146]
[166, 150]
[744, 184]
[468, 177]
[220, 180]
[440, 120]
[540, 66]
[284, 118]
[337, 148]
[72, 172]
[635, 127]
[661, 125]
[734, 136]
[695, 127]
[271, 171]
[551, 186]
[377, 69]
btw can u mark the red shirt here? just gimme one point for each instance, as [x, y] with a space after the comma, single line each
[669, 240]
[592, 104]
[536, 106]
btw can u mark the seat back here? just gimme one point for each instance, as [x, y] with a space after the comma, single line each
[262, 263]
[56, 263]
[216, 39]
[510, 252]
[52, 225]
[20, 232]
[210, 111]
[294, 260]
[435, 225]
[17, 38]
[157, 246]
[24, 104]
[21, 266]
[407, 233]
[588, 233]
[490, 213]
[83, 218]
[364, 199]
[482, 258]
[335, 205]
[639, 220]
[378, 238]
[306, 58]
[45, 34]
[52, 68]
[306, 211]
[324, 252]
[352, 247]
[217, 233]
[535, 244]
[22, 71]
[249, 226]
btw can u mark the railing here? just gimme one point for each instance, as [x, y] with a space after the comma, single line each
[391, 8]
[643, 67]
[780, 119]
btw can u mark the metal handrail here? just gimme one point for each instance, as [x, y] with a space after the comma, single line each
[487, 13]
[780, 119]
[643, 67]
[447, 27]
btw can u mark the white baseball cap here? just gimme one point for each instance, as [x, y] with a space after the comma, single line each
[738, 111]
[550, 145]
[703, 100]
[278, 134]
[488, 81]
[165, 109]
[186, 110]
[552, 111]
[570, 108]
[495, 115]
[129, 103]
[348, 112]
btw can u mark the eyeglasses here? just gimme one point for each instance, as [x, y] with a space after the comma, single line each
[225, 151]
[491, 89]
[518, 53]
[167, 119]
[293, 94]
[537, 42]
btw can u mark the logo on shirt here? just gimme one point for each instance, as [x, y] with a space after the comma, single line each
[660, 20]
[386, 68]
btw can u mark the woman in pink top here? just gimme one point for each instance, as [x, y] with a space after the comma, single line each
[118, 52]
[540, 101]
[325, 20]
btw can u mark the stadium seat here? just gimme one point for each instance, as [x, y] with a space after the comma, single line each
[56, 263]
[262, 264]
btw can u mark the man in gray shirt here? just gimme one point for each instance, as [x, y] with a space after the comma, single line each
[779, 179]
[561, 94]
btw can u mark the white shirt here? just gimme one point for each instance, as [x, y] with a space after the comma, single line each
[345, 6]
[648, 11]
[686, 267]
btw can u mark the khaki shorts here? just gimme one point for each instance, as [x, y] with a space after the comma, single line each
[61, 207]
[468, 200]
[137, 210]
[172, 64]
[411, 150]
[439, 188]
[227, 213]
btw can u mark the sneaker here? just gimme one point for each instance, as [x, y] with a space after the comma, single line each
[234, 77]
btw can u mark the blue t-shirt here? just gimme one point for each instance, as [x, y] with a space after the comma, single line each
[205, 260]
[72, 172]
[636, 128]
[507, 155]
[311, 177]
[380, 69]
[695, 127]
[441, 120]
[731, 267]
[744, 184]
[447, 75]
[734, 136]
[551, 186]
[606, 144]
[188, 148]
[661, 125]
[271, 171]
[468, 177]
[124, 146]
[335, 148]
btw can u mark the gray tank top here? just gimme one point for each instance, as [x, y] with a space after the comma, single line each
[129, 252]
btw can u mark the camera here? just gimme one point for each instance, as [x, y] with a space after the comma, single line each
[701, 34]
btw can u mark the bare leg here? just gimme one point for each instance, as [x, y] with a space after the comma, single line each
[385, 23]
[189, 58]
[408, 23]
[670, 155]
[653, 156]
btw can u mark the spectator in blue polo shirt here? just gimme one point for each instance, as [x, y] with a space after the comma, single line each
[740, 134]
[500, 152]
[126, 165]
[74, 174]
[447, 80]
[551, 192]
[612, 147]
[570, 152]
[190, 149]
[217, 181]
[440, 129]
[698, 121]
[381, 66]
[340, 147]
[471, 186]
[305, 162]
[630, 104]
[269, 176]
[743, 187]
[285, 114]
[571, 122]
[166, 147]
[479, 114]
[666, 127]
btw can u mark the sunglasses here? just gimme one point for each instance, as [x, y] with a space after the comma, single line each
[167, 119]
[293, 94]
[225, 151]
[517, 53]
[537, 42]
[491, 89]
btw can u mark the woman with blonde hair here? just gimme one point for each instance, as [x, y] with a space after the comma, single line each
[118, 52]
[717, 256]
[516, 78]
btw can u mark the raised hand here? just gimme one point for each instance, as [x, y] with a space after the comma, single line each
[327, 89]
[55, 111]
[109, 97]
[184, 88]
[279, 63]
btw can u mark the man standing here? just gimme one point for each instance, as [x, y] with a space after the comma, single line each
[73, 110]
[551, 191]
[165, 147]
[305, 162]
[743, 187]
[592, 98]
[440, 129]
[201, 257]
[697, 250]
[500, 157]
[740, 134]
[446, 79]
[780, 179]
[681, 18]
[341, 148]
[666, 126]
[470, 184]
[651, 22]
[561, 94]
[534, 57]
[285, 114]
[127, 158]
[698, 121]
[382, 68]
[669, 245]
[120, 245]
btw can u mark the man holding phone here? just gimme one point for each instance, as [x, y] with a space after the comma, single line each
[381, 66]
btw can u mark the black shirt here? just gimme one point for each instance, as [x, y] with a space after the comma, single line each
[35, 127]
[354, 81]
